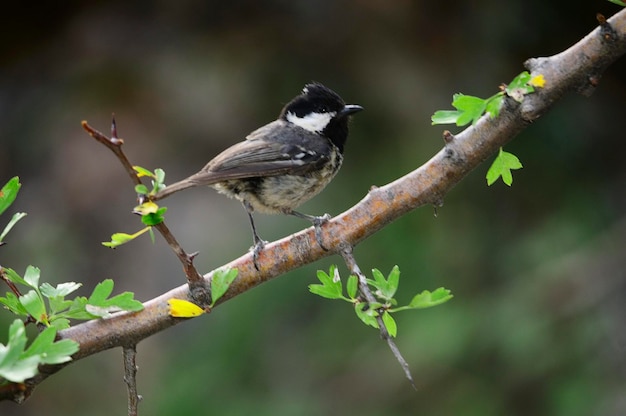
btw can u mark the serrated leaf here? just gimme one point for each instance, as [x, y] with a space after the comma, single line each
[220, 282]
[34, 305]
[502, 166]
[50, 352]
[390, 324]
[428, 299]
[471, 108]
[8, 193]
[61, 290]
[60, 323]
[387, 287]
[329, 288]
[99, 304]
[101, 292]
[180, 308]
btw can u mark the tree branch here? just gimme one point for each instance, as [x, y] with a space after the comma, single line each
[576, 69]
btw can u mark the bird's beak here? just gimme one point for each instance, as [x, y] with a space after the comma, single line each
[350, 109]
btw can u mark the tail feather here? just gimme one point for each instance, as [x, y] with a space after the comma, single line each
[198, 179]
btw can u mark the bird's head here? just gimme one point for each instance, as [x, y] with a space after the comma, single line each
[320, 110]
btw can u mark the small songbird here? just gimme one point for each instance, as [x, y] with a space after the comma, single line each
[284, 163]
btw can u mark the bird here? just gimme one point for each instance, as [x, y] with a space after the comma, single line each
[284, 163]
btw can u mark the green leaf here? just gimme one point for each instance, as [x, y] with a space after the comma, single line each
[31, 276]
[60, 323]
[390, 324]
[51, 352]
[352, 286]
[8, 193]
[14, 219]
[142, 189]
[502, 166]
[100, 305]
[118, 239]
[386, 287]
[330, 288]
[494, 104]
[101, 292]
[367, 314]
[472, 108]
[14, 305]
[15, 344]
[619, 2]
[34, 305]
[220, 282]
[12, 366]
[445, 117]
[519, 87]
[143, 171]
[159, 175]
[14, 277]
[428, 299]
[61, 290]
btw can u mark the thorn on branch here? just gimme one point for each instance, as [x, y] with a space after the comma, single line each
[448, 137]
[606, 30]
[115, 145]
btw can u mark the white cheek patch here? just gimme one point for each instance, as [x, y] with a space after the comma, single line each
[313, 122]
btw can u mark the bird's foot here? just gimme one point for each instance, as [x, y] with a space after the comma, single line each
[317, 223]
[256, 249]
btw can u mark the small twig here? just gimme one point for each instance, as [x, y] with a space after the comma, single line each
[130, 378]
[366, 293]
[115, 145]
[9, 283]
[197, 288]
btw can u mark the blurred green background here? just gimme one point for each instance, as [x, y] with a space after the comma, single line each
[537, 325]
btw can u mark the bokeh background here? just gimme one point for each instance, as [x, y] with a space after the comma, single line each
[537, 325]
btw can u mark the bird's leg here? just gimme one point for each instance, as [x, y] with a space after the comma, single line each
[258, 242]
[317, 222]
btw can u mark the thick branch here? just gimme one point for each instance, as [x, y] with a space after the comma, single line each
[576, 69]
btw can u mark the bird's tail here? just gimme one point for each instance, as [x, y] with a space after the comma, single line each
[194, 180]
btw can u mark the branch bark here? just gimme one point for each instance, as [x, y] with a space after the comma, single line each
[576, 69]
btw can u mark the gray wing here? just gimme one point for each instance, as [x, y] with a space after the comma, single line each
[275, 149]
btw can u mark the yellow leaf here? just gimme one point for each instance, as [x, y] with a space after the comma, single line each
[180, 308]
[148, 207]
[537, 81]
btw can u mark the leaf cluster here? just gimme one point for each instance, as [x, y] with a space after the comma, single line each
[384, 289]
[151, 213]
[47, 304]
[471, 109]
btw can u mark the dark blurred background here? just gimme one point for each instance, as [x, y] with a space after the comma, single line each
[537, 325]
